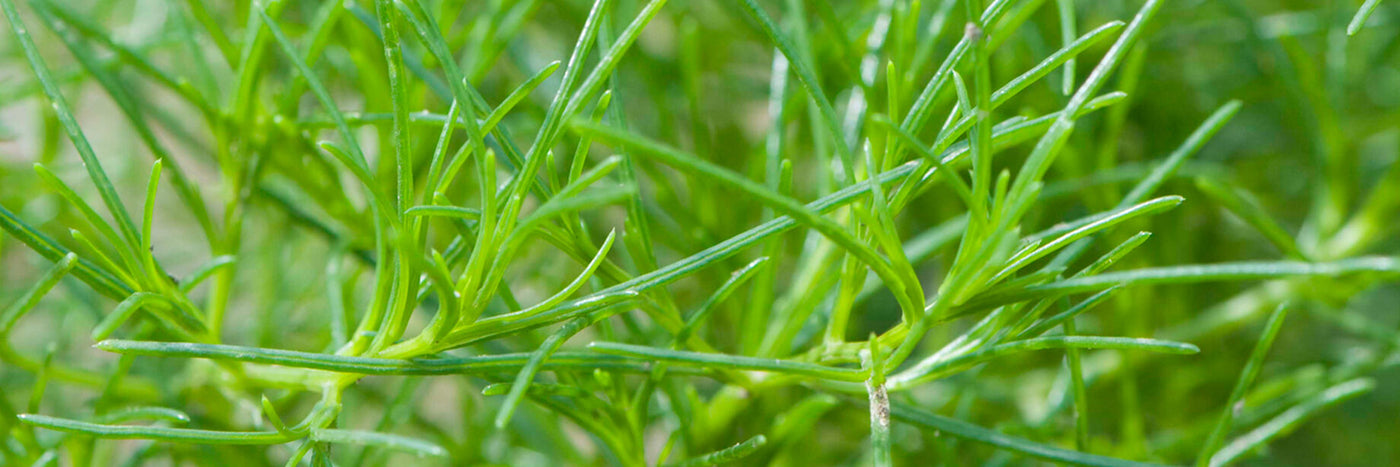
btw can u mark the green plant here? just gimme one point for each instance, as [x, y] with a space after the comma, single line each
[387, 264]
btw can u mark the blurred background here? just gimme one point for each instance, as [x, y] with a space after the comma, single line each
[1314, 147]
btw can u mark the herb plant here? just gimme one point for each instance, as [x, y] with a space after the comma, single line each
[627, 232]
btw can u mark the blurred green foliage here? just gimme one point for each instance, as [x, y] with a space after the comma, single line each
[787, 232]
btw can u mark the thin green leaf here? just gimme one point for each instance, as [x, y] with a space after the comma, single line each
[206, 270]
[188, 435]
[537, 358]
[733, 362]
[105, 189]
[1066, 10]
[726, 455]
[1246, 379]
[1054, 139]
[1364, 13]
[1240, 203]
[1049, 323]
[102, 281]
[31, 296]
[317, 88]
[486, 364]
[445, 211]
[127, 414]
[398, 93]
[1196, 273]
[808, 79]
[968, 431]
[1290, 419]
[935, 368]
[1110, 219]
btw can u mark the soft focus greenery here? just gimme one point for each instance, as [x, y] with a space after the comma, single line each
[631, 232]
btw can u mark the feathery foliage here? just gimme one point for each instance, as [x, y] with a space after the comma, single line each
[641, 232]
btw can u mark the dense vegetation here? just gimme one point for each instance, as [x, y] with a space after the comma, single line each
[628, 232]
